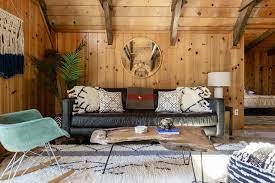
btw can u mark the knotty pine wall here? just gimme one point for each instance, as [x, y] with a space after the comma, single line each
[185, 64]
[259, 72]
[25, 91]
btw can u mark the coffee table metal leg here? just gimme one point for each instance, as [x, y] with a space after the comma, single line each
[202, 176]
[186, 161]
[108, 159]
[193, 168]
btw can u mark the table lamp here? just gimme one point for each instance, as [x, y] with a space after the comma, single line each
[219, 80]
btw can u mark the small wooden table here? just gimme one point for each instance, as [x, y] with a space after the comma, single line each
[190, 139]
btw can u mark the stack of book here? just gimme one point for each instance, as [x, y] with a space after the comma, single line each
[172, 131]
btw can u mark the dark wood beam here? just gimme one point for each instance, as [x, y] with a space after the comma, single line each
[245, 4]
[173, 5]
[44, 9]
[107, 8]
[176, 11]
[259, 39]
[241, 22]
[271, 52]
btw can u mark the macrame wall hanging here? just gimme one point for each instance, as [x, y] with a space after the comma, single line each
[11, 45]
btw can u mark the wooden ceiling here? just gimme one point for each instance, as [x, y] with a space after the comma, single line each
[156, 14]
[264, 45]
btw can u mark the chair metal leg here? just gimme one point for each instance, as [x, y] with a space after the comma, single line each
[108, 159]
[15, 164]
[14, 174]
[8, 167]
[51, 150]
[11, 168]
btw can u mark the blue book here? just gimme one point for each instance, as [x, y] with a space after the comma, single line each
[173, 131]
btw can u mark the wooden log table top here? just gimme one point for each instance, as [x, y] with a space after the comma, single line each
[189, 139]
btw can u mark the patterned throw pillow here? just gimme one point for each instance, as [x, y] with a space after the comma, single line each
[193, 99]
[86, 99]
[110, 101]
[168, 101]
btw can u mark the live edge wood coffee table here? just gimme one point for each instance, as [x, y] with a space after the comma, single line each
[190, 139]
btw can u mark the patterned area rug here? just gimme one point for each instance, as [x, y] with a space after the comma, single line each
[147, 163]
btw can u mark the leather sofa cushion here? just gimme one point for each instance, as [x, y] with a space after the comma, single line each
[139, 117]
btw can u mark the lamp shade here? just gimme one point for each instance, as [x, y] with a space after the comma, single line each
[219, 79]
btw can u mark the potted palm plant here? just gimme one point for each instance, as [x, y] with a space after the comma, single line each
[59, 72]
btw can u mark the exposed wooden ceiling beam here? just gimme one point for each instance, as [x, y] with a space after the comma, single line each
[107, 8]
[245, 4]
[43, 11]
[259, 39]
[242, 20]
[43, 6]
[176, 11]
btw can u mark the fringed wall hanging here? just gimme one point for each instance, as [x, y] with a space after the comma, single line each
[11, 45]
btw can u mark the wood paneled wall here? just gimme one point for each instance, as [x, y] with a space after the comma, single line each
[260, 72]
[25, 91]
[185, 64]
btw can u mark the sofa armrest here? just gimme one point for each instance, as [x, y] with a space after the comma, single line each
[217, 106]
[67, 109]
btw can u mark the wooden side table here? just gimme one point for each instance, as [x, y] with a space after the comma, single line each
[230, 125]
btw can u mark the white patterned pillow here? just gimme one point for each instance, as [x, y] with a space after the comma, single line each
[86, 99]
[168, 101]
[193, 99]
[110, 101]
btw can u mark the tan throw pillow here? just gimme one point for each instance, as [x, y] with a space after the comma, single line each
[110, 101]
[86, 99]
[168, 101]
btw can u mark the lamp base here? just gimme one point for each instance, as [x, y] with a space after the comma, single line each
[218, 92]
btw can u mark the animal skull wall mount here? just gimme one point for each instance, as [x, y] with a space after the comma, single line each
[141, 57]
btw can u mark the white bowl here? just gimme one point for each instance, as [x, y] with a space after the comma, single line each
[141, 129]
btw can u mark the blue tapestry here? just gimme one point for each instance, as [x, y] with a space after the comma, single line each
[11, 65]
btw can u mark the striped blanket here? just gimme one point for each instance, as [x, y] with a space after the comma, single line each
[253, 164]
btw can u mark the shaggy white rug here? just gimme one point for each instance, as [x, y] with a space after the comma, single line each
[137, 163]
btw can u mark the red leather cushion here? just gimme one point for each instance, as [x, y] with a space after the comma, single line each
[140, 98]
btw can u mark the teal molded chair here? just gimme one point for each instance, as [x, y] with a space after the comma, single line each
[23, 131]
